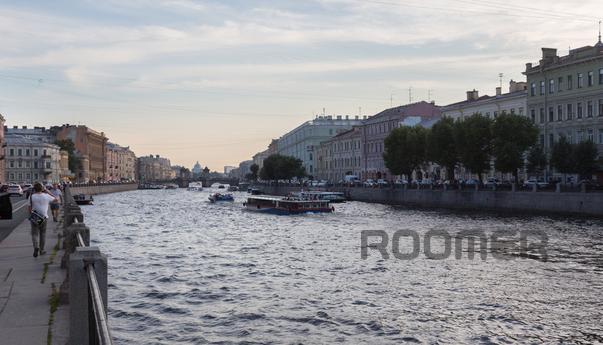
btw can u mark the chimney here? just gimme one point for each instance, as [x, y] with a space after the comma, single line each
[528, 66]
[338, 117]
[498, 90]
[24, 127]
[356, 117]
[347, 117]
[549, 56]
[15, 127]
[472, 95]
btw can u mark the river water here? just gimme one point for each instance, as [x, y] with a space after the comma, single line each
[184, 271]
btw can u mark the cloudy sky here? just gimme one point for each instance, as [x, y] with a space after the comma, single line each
[215, 80]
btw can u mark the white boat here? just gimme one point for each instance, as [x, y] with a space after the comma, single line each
[333, 197]
[195, 186]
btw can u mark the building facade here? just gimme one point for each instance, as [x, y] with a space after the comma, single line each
[376, 128]
[120, 163]
[340, 156]
[303, 141]
[2, 153]
[90, 146]
[565, 95]
[28, 161]
[154, 169]
[512, 102]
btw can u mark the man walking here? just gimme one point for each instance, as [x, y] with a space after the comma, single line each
[39, 202]
[55, 205]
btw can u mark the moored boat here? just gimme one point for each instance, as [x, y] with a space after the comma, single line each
[220, 197]
[233, 189]
[286, 205]
[83, 199]
[195, 186]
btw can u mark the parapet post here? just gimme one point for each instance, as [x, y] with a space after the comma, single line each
[82, 328]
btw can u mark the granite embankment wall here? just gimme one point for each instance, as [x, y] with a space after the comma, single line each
[590, 204]
[95, 189]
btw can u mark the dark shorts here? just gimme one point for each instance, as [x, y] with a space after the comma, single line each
[55, 206]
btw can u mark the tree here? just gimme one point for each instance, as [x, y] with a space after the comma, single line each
[473, 139]
[253, 175]
[279, 167]
[405, 150]
[441, 148]
[585, 159]
[74, 161]
[512, 136]
[562, 156]
[536, 160]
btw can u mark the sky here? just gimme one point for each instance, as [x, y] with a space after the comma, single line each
[214, 81]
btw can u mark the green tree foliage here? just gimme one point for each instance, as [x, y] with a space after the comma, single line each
[254, 170]
[441, 147]
[405, 150]
[473, 139]
[536, 160]
[68, 145]
[279, 167]
[562, 156]
[512, 136]
[585, 159]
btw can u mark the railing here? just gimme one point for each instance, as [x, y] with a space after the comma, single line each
[87, 292]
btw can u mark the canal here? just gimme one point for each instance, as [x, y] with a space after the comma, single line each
[184, 271]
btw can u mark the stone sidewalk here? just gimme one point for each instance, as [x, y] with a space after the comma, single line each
[26, 287]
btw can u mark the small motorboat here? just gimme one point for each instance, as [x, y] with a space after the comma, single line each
[195, 186]
[233, 189]
[215, 197]
[83, 199]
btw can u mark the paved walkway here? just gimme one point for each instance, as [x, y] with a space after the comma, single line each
[25, 289]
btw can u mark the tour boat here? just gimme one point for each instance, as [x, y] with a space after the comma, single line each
[220, 197]
[286, 205]
[333, 197]
[83, 199]
[195, 186]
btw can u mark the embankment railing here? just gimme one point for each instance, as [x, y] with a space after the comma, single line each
[86, 284]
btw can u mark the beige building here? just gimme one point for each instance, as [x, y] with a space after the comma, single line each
[154, 169]
[565, 95]
[340, 156]
[120, 163]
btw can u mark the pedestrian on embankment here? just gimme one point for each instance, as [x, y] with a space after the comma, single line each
[39, 202]
[55, 205]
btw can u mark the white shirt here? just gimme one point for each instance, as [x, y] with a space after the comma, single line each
[40, 202]
[56, 193]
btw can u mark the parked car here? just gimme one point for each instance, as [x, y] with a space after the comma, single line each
[369, 183]
[472, 182]
[401, 182]
[531, 182]
[15, 189]
[492, 181]
[382, 183]
[426, 181]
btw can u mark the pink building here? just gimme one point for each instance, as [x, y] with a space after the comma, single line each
[376, 128]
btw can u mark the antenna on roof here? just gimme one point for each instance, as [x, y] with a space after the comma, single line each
[410, 94]
[500, 77]
[599, 31]
[429, 94]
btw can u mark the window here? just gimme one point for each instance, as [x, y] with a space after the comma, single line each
[542, 140]
[27, 152]
[19, 152]
[48, 163]
[35, 164]
[551, 114]
[542, 88]
[591, 78]
[35, 152]
[495, 114]
[533, 89]
[552, 86]
[580, 80]
[600, 136]
[559, 84]
[28, 176]
[11, 164]
[580, 136]
[601, 108]
[520, 110]
[12, 176]
[591, 136]
[579, 110]
[551, 140]
[559, 113]
[20, 164]
[589, 109]
[533, 115]
[513, 111]
[600, 76]
[11, 152]
[541, 115]
[570, 111]
[570, 82]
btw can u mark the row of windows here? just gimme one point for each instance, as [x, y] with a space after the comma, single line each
[375, 147]
[384, 127]
[19, 176]
[343, 163]
[568, 111]
[12, 152]
[512, 111]
[579, 136]
[345, 146]
[28, 164]
[560, 84]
